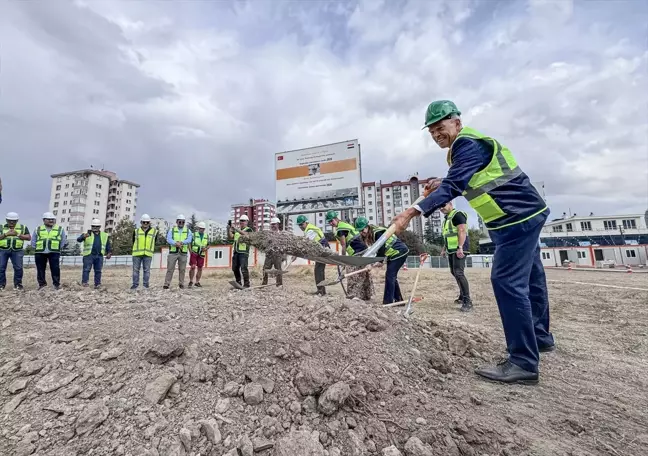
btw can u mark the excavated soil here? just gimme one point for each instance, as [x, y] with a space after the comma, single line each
[285, 243]
[279, 372]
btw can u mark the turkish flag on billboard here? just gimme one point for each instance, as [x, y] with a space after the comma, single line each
[280, 157]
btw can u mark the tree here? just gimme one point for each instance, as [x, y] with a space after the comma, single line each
[160, 241]
[474, 235]
[413, 242]
[122, 237]
[71, 248]
[429, 235]
[193, 222]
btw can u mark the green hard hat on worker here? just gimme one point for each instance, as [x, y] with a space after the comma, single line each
[361, 223]
[439, 110]
[330, 215]
[301, 219]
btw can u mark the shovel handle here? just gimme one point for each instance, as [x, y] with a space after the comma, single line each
[368, 268]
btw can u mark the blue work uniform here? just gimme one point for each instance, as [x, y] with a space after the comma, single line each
[514, 215]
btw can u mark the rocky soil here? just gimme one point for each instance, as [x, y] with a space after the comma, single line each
[216, 372]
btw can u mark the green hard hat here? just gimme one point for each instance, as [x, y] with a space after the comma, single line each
[361, 223]
[330, 215]
[301, 219]
[438, 110]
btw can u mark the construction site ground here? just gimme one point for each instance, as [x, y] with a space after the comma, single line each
[215, 371]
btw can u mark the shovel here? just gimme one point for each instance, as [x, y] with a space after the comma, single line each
[402, 303]
[341, 277]
[238, 286]
[373, 250]
[408, 309]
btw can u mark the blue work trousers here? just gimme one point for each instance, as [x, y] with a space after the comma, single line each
[90, 262]
[16, 257]
[145, 263]
[520, 287]
[392, 288]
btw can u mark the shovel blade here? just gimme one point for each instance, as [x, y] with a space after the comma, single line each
[345, 260]
[236, 285]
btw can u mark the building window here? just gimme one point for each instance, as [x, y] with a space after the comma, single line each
[586, 226]
[98, 194]
[557, 228]
[128, 209]
[610, 224]
[67, 185]
[388, 204]
[130, 186]
[58, 179]
[629, 224]
[62, 220]
[64, 203]
[96, 203]
[581, 254]
[631, 253]
[371, 218]
[66, 194]
[55, 212]
[98, 185]
[56, 204]
[57, 196]
[546, 255]
[64, 211]
[569, 227]
[67, 177]
[58, 187]
[369, 195]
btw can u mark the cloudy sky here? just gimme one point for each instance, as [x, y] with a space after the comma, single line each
[174, 95]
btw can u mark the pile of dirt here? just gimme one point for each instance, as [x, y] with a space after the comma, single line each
[285, 243]
[276, 372]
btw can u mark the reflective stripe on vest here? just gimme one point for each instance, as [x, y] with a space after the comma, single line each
[318, 233]
[501, 169]
[198, 245]
[144, 244]
[88, 243]
[450, 232]
[13, 242]
[351, 233]
[241, 247]
[50, 239]
[178, 236]
[390, 252]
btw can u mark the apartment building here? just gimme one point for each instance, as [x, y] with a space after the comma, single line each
[259, 212]
[77, 197]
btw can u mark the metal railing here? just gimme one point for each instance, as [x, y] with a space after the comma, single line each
[436, 262]
[117, 260]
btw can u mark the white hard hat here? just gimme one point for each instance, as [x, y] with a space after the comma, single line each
[12, 216]
[275, 220]
[244, 218]
[95, 222]
[202, 225]
[180, 217]
[48, 215]
[145, 218]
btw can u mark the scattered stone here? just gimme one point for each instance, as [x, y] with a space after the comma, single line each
[310, 404]
[261, 444]
[246, 448]
[333, 398]
[185, 438]
[31, 367]
[54, 380]
[306, 348]
[91, 417]
[421, 421]
[415, 447]
[302, 443]
[14, 403]
[231, 389]
[157, 390]
[163, 350]
[98, 372]
[440, 362]
[18, 384]
[202, 372]
[6, 323]
[253, 394]
[391, 451]
[267, 384]
[222, 405]
[280, 353]
[210, 428]
[458, 343]
[375, 325]
[113, 353]
[311, 378]
[475, 400]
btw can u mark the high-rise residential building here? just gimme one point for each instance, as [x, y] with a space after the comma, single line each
[259, 212]
[77, 197]
[381, 202]
[161, 225]
[215, 230]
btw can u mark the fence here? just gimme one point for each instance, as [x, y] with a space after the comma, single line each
[117, 260]
[436, 262]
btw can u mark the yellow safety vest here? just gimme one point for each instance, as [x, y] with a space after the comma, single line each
[89, 242]
[198, 245]
[318, 233]
[351, 233]
[390, 251]
[179, 236]
[144, 244]
[50, 239]
[13, 242]
[241, 247]
[450, 232]
[483, 185]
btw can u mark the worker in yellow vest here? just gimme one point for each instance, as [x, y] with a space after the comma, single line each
[199, 247]
[342, 230]
[485, 172]
[12, 239]
[179, 238]
[455, 248]
[316, 235]
[144, 240]
[240, 251]
[47, 242]
[96, 244]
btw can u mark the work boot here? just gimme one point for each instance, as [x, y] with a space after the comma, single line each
[85, 285]
[96, 287]
[197, 284]
[2, 288]
[19, 287]
[466, 306]
[507, 372]
[547, 348]
[181, 286]
[166, 287]
[190, 284]
[459, 300]
[134, 287]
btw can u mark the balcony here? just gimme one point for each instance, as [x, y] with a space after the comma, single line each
[74, 213]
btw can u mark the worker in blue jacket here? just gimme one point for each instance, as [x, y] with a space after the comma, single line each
[487, 175]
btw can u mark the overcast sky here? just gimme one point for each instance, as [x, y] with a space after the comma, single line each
[175, 95]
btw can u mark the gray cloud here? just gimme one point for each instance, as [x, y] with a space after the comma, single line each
[192, 100]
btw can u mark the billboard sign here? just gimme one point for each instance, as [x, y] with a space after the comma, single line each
[319, 178]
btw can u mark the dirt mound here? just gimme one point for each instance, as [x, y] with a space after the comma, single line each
[235, 373]
[285, 243]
